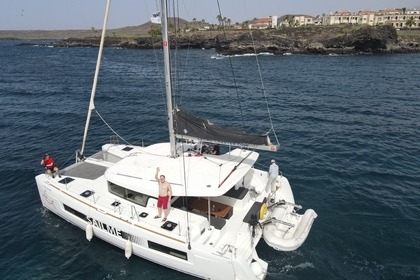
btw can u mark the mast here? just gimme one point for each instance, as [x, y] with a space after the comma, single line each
[165, 43]
[95, 80]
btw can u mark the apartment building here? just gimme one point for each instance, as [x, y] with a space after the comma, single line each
[395, 17]
[399, 18]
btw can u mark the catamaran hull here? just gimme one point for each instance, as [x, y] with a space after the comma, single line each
[171, 253]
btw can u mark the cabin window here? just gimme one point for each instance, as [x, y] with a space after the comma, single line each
[167, 250]
[117, 190]
[135, 197]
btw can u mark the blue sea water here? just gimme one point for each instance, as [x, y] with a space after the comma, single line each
[349, 129]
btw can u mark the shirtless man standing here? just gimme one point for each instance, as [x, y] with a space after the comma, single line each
[165, 192]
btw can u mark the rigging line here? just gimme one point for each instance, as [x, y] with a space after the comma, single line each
[182, 72]
[235, 167]
[160, 75]
[263, 87]
[61, 167]
[96, 111]
[175, 59]
[231, 68]
[216, 163]
[95, 78]
[186, 196]
[160, 70]
[212, 161]
[180, 84]
[176, 67]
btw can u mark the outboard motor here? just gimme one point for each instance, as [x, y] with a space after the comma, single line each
[253, 222]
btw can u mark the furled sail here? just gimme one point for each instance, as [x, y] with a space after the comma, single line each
[188, 126]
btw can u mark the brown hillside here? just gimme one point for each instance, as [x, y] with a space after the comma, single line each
[128, 31]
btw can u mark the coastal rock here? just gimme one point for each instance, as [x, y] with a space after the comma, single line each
[340, 39]
[314, 40]
[366, 39]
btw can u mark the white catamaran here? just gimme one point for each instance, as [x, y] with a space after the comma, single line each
[219, 209]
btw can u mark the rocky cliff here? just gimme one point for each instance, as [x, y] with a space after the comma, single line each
[302, 40]
[318, 40]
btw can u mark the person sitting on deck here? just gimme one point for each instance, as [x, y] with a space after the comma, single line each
[50, 167]
[216, 149]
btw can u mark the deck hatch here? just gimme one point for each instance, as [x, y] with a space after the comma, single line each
[144, 214]
[115, 203]
[66, 180]
[168, 225]
[87, 193]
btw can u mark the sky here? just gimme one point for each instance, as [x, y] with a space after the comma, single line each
[85, 14]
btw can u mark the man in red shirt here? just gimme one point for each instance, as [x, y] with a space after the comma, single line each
[49, 164]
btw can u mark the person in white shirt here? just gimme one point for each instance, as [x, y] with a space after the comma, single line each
[273, 173]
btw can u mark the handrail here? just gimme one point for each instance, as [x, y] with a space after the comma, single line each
[134, 213]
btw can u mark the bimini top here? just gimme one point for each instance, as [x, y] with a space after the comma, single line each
[188, 174]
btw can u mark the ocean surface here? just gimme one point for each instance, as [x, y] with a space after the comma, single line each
[348, 126]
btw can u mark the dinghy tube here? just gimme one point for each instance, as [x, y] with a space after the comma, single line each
[279, 240]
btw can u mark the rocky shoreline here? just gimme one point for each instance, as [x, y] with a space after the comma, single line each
[301, 40]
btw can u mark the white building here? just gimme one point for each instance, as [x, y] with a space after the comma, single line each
[347, 17]
[264, 23]
[398, 18]
[303, 20]
[395, 17]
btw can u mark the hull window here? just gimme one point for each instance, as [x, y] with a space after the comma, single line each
[167, 250]
[75, 212]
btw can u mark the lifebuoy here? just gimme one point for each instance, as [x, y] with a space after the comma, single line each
[263, 211]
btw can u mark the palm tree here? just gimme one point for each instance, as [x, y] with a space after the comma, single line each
[290, 21]
[410, 22]
[94, 31]
[219, 19]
